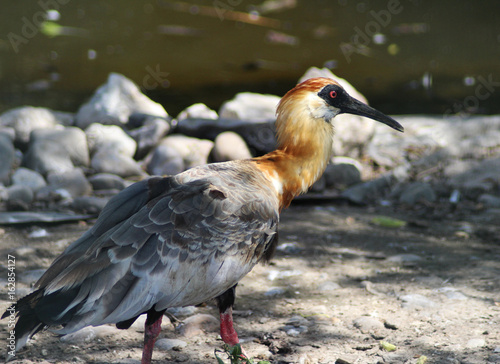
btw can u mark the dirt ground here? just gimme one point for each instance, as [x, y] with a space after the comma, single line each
[338, 286]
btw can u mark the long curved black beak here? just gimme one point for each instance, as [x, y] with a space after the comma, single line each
[356, 107]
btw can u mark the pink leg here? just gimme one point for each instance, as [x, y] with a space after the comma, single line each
[150, 334]
[227, 332]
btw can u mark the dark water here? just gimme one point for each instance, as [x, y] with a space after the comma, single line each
[407, 56]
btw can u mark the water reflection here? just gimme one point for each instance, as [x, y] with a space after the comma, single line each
[404, 57]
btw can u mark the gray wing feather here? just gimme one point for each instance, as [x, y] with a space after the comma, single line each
[182, 245]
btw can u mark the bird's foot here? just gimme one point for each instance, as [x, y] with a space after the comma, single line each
[227, 331]
[151, 332]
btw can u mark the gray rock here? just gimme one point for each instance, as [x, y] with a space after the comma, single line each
[73, 181]
[19, 197]
[29, 178]
[107, 181]
[169, 344]
[7, 159]
[46, 156]
[108, 161]
[111, 138]
[489, 200]
[295, 331]
[149, 135]
[417, 192]
[342, 175]
[25, 119]
[114, 102]
[4, 196]
[89, 204]
[164, 160]
[250, 107]
[416, 301]
[367, 192]
[194, 152]
[229, 146]
[57, 150]
[197, 111]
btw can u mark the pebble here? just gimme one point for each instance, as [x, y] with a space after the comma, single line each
[108, 161]
[89, 204]
[452, 293]
[19, 194]
[417, 192]
[73, 181]
[107, 181]
[289, 248]
[368, 325]
[169, 344]
[149, 135]
[197, 324]
[196, 111]
[25, 119]
[404, 258]
[38, 233]
[295, 331]
[275, 274]
[182, 311]
[164, 161]
[111, 138]
[416, 301]
[89, 333]
[229, 146]
[329, 286]
[342, 175]
[475, 343]
[28, 178]
[71, 141]
[114, 102]
[367, 192]
[250, 107]
[45, 156]
[274, 291]
[193, 151]
[8, 157]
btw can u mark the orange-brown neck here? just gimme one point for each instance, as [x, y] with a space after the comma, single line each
[304, 149]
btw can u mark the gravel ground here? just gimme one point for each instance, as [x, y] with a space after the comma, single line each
[339, 287]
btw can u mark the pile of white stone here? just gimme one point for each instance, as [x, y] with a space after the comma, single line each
[52, 160]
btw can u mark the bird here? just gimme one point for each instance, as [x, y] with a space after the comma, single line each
[182, 240]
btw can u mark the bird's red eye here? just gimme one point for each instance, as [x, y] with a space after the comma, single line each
[333, 94]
